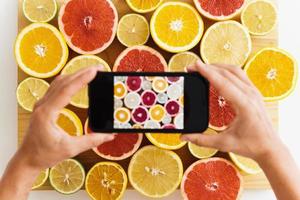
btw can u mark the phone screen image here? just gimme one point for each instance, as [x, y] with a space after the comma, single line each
[148, 102]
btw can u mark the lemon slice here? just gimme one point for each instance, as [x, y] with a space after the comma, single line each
[41, 179]
[143, 6]
[260, 17]
[40, 50]
[80, 99]
[133, 29]
[274, 72]
[70, 122]
[39, 10]
[226, 42]
[180, 61]
[169, 141]
[67, 177]
[155, 172]
[176, 26]
[29, 91]
[247, 165]
[106, 180]
[203, 152]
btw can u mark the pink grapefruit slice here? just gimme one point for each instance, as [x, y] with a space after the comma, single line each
[140, 59]
[121, 147]
[219, 9]
[88, 26]
[214, 178]
[221, 113]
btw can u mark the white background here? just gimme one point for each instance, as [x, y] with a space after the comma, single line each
[289, 39]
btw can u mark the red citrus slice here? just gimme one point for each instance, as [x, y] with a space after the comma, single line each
[221, 114]
[140, 115]
[120, 148]
[89, 26]
[214, 178]
[219, 9]
[148, 98]
[172, 107]
[140, 59]
[134, 83]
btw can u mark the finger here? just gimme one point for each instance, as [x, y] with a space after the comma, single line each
[211, 141]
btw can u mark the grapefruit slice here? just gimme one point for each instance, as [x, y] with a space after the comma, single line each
[214, 178]
[88, 28]
[219, 10]
[140, 59]
[221, 114]
[120, 148]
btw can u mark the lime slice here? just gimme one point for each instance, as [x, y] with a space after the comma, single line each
[39, 10]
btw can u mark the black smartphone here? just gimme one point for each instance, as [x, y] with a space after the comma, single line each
[141, 102]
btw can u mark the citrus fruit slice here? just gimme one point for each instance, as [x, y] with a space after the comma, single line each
[122, 115]
[132, 100]
[148, 98]
[120, 148]
[80, 99]
[88, 29]
[41, 179]
[67, 177]
[259, 16]
[157, 112]
[143, 6]
[172, 107]
[40, 50]
[160, 84]
[179, 121]
[39, 11]
[140, 115]
[169, 141]
[176, 26]
[133, 29]
[120, 90]
[134, 83]
[140, 59]
[162, 98]
[245, 164]
[221, 113]
[203, 152]
[226, 43]
[274, 72]
[180, 61]
[29, 91]
[155, 172]
[219, 10]
[213, 178]
[106, 180]
[69, 122]
[151, 124]
[175, 91]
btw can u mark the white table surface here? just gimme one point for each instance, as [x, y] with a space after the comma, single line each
[289, 39]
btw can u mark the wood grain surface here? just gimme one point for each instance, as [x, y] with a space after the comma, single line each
[89, 158]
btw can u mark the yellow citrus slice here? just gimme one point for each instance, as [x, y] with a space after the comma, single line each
[80, 99]
[106, 181]
[40, 50]
[29, 91]
[133, 29]
[180, 61]
[176, 26]
[157, 112]
[69, 122]
[41, 179]
[67, 177]
[122, 115]
[181, 100]
[39, 10]
[259, 16]
[247, 165]
[203, 152]
[169, 141]
[155, 172]
[226, 42]
[159, 84]
[120, 90]
[143, 6]
[274, 72]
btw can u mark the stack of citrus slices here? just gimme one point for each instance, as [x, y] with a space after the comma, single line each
[174, 29]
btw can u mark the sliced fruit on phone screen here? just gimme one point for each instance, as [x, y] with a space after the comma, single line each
[143, 6]
[40, 50]
[106, 181]
[80, 99]
[67, 177]
[39, 10]
[245, 164]
[41, 179]
[29, 91]
[166, 141]
[180, 61]
[69, 122]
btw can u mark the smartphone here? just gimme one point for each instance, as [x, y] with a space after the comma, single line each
[142, 102]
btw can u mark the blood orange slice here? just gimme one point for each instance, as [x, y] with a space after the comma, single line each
[221, 114]
[214, 178]
[89, 26]
[140, 59]
[120, 148]
[219, 10]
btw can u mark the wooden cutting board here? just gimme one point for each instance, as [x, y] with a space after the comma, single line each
[89, 158]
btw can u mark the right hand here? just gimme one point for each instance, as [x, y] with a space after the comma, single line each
[251, 134]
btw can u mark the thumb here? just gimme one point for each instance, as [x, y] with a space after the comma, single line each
[211, 141]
